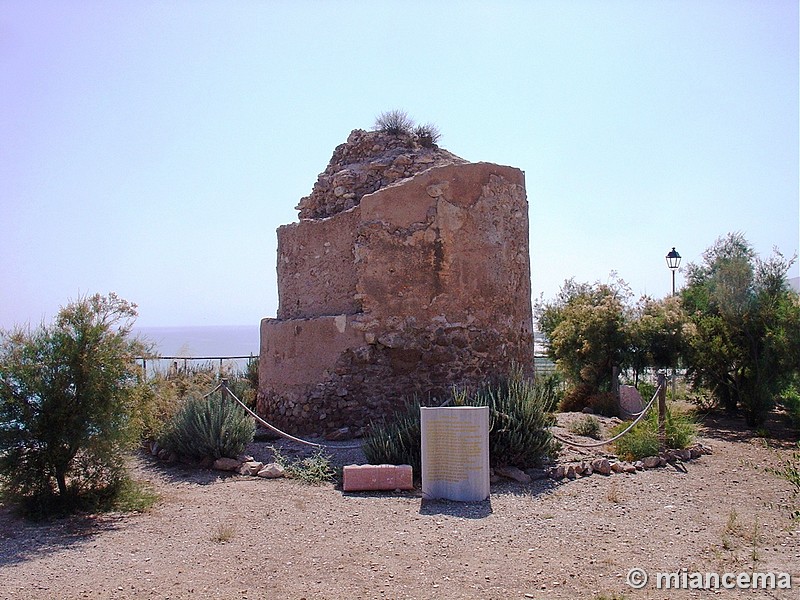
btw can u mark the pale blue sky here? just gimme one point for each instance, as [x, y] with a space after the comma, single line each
[152, 148]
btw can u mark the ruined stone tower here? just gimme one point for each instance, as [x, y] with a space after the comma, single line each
[408, 273]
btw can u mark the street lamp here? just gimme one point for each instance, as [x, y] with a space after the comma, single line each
[673, 262]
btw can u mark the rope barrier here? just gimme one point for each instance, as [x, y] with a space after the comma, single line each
[619, 435]
[226, 390]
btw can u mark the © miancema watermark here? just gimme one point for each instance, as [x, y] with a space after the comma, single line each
[696, 580]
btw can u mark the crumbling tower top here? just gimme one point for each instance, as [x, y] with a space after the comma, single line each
[367, 162]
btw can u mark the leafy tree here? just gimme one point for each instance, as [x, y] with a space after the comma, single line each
[655, 334]
[586, 328]
[68, 403]
[744, 343]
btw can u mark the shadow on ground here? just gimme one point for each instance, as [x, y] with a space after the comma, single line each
[464, 510]
[21, 539]
[733, 428]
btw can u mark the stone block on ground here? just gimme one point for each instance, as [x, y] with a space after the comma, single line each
[226, 464]
[272, 471]
[363, 478]
[602, 466]
[651, 462]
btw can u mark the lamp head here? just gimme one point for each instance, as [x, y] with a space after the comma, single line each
[673, 259]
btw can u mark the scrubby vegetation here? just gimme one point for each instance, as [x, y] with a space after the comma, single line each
[519, 418]
[588, 426]
[397, 122]
[70, 405]
[208, 428]
[165, 392]
[396, 440]
[733, 328]
[642, 440]
[313, 470]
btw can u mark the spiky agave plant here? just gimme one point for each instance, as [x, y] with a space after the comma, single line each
[208, 428]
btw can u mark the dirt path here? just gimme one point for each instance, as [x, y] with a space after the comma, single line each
[240, 538]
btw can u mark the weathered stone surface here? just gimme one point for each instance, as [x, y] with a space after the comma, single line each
[271, 471]
[419, 282]
[513, 473]
[602, 466]
[377, 477]
[226, 464]
[651, 462]
[367, 162]
[630, 401]
[251, 467]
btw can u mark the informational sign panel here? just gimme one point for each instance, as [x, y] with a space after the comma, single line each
[455, 453]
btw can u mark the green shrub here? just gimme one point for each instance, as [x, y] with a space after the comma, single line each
[642, 440]
[68, 410]
[394, 122]
[518, 426]
[396, 440]
[790, 400]
[166, 392]
[588, 426]
[313, 470]
[518, 421]
[208, 428]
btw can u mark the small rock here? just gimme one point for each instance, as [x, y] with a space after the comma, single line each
[651, 462]
[587, 410]
[639, 465]
[271, 471]
[602, 466]
[628, 468]
[685, 454]
[557, 472]
[669, 456]
[571, 474]
[251, 467]
[226, 464]
[695, 452]
[617, 467]
[513, 473]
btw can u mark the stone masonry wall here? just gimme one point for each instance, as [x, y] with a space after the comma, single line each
[419, 286]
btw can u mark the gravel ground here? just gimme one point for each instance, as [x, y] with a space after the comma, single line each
[236, 537]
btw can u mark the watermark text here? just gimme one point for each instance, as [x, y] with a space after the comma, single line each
[697, 580]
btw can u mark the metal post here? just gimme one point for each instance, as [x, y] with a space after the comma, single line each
[662, 411]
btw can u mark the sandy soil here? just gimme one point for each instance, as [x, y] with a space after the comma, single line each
[219, 536]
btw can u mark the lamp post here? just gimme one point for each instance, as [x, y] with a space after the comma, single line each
[673, 262]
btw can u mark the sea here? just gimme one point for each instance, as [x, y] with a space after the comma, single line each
[199, 345]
